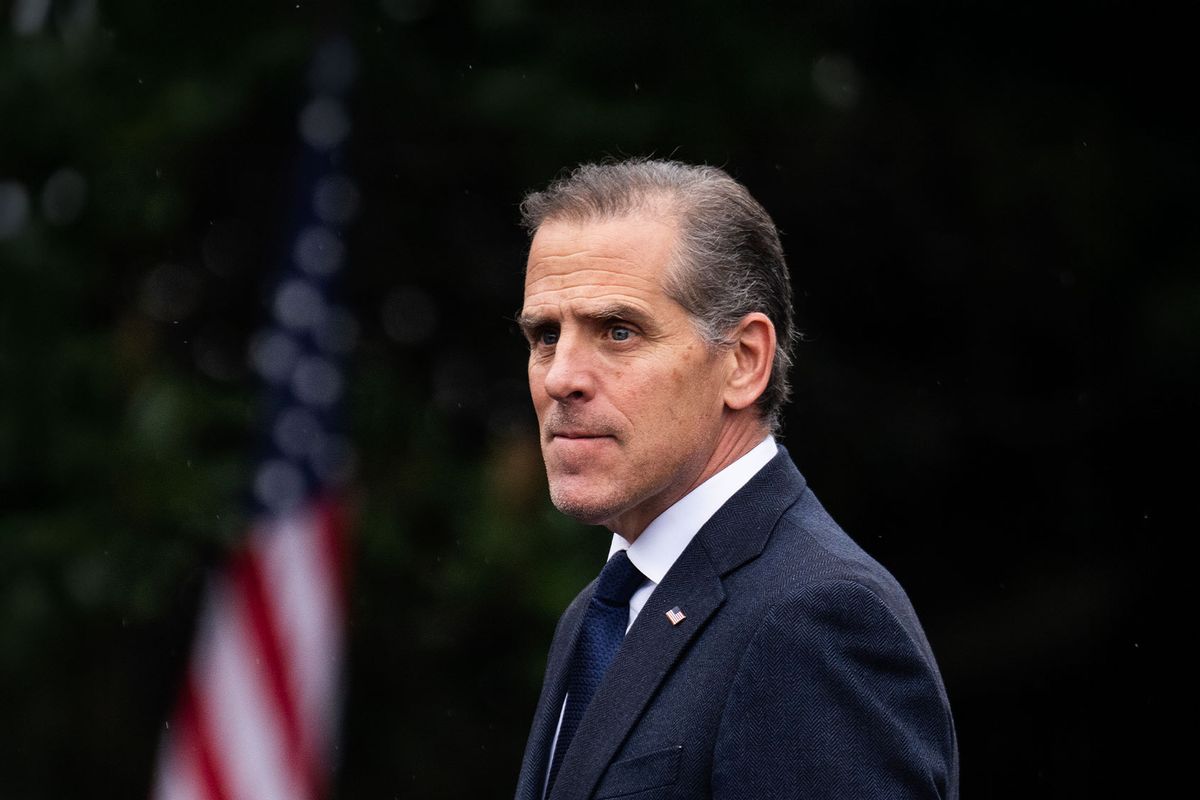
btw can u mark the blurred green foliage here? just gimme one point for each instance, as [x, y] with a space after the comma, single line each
[988, 210]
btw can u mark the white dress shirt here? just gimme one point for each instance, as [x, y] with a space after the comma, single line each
[656, 550]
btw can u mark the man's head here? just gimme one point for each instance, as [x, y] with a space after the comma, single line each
[726, 262]
[657, 307]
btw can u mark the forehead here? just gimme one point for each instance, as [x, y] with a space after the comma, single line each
[590, 258]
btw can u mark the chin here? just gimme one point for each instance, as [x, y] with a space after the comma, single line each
[582, 506]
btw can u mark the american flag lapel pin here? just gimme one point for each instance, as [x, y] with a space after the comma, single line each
[676, 615]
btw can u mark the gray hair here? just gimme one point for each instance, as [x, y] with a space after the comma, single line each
[728, 261]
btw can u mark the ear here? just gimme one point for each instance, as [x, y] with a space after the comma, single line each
[751, 356]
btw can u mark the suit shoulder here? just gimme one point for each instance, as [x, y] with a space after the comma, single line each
[807, 547]
[810, 562]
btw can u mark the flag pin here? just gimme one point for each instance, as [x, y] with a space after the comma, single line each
[676, 615]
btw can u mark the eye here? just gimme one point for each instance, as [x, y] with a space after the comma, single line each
[620, 333]
[546, 338]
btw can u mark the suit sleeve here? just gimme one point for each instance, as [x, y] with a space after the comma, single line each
[834, 698]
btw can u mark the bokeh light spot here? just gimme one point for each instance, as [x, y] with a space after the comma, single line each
[317, 381]
[273, 355]
[298, 305]
[324, 123]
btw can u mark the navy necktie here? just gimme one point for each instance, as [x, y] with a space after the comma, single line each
[600, 635]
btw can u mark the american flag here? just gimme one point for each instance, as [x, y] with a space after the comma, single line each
[257, 715]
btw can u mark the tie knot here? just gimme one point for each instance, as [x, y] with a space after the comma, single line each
[618, 580]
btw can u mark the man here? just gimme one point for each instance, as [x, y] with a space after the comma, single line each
[737, 643]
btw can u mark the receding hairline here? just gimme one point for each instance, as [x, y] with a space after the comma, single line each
[613, 188]
[662, 203]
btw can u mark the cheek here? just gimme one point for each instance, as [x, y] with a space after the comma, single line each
[537, 391]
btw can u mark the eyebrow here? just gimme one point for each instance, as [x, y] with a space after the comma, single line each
[617, 311]
[606, 312]
[528, 322]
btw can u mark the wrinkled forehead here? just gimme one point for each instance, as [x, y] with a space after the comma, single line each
[631, 249]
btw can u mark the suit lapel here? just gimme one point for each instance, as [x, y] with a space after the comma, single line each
[739, 531]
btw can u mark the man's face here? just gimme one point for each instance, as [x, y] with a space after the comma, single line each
[628, 396]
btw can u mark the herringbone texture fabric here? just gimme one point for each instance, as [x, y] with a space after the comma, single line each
[600, 636]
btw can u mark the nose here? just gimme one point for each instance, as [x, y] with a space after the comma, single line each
[570, 375]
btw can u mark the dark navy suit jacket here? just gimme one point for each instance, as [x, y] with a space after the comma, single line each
[800, 671]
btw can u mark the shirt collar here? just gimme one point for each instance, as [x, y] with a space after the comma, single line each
[655, 551]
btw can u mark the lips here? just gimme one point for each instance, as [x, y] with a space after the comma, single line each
[572, 428]
[577, 439]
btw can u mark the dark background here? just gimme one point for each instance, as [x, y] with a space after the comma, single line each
[988, 209]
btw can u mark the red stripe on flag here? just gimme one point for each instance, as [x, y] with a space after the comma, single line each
[248, 583]
[196, 743]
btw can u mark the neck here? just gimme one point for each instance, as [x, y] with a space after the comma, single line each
[740, 435]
